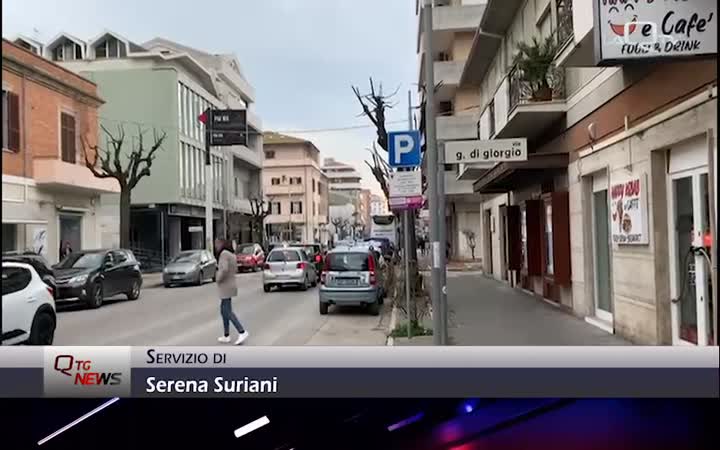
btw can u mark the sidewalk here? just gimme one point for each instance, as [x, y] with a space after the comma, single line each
[487, 312]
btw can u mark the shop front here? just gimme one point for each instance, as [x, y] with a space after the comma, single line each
[526, 227]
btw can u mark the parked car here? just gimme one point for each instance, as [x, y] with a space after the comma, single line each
[28, 306]
[316, 256]
[351, 277]
[286, 267]
[93, 275]
[190, 267]
[250, 257]
[39, 263]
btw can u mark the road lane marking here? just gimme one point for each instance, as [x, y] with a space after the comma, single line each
[78, 420]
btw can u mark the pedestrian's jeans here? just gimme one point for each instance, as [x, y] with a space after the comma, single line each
[229, 316]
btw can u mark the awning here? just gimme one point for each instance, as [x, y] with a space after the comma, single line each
[510, 176]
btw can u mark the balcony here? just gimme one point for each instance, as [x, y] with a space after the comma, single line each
[456, 127]
[447, 74]
[458, 190]
[473, 171]
[447, 20]
[531, 107]
[575, 34]
[284, 189]
[72, 178]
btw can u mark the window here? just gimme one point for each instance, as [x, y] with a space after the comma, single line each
[269, 154]
[549, 266]
[276, 208]
[314, 208]
[491, 117]
[10, 121]
[295, 180]
[14, 279]
[110, 48]
[313, 185]
[236, 187]
[67, 138]
[59, 53]
[119, 256]
[296, 208]
[275, 181]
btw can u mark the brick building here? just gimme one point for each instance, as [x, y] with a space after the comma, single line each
[48, 195]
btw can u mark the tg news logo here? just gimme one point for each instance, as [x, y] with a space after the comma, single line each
[81, 372]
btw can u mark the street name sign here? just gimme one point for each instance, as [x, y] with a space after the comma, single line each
[405, 184]
[494, 150]
[404, 149]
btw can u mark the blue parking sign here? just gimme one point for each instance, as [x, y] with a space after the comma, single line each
[404, 148]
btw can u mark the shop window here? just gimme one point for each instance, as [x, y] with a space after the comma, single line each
[534, 237]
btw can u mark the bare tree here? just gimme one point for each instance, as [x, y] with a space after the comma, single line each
[127, 167]
[260, 209]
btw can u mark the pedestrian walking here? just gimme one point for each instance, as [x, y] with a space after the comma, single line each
[65, 249]
[421, 244]
[227, 289]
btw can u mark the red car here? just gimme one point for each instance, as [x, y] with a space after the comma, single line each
[250, 257]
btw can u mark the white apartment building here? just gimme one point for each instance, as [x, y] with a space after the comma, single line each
[378, 205]
[296, 189]
[345, 189]
[618, 186]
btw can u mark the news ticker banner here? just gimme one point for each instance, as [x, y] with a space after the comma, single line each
[381, 372]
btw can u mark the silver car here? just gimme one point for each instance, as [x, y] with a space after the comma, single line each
[190, 267]
[288, 267]
[351, 276]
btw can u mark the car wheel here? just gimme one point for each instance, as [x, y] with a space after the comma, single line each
[266, 288]
[305, 285]
[374, 308]
[314, 283]
[167, 285]
[43, 329]
[95, 298]
[324, 308]
[201, 277]
[134, 292]
[213, 278]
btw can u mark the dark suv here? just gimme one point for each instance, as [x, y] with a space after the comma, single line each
[93, 275]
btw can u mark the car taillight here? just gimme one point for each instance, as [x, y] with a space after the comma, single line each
[266, 267]
[301, 265]
[318, 258]
[51, 291]
[371, 268]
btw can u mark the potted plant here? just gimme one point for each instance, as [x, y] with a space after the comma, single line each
[533, 62]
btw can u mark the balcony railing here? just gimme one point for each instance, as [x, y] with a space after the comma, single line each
[564, 30]
[523, 91]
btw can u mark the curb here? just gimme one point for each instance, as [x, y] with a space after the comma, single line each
[393, 321]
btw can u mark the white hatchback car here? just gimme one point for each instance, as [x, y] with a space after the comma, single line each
[28, 307]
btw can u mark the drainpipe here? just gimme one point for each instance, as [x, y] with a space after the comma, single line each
[26, 156]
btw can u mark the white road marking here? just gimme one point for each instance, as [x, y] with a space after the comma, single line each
[78, 420]
[252, 426]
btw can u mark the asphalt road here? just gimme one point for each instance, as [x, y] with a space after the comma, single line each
[191, 316]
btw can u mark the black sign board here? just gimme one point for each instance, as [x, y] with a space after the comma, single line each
[227, 126]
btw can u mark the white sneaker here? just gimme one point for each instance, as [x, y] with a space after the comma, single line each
[224, 339]
[244, 335]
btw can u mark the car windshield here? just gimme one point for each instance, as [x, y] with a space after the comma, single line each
[348, 262]
[312, 249]
[246, 250]
[283, 256]
[187, 258]
[82, 261]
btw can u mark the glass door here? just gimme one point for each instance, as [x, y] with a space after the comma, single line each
[690, 285]
[601, 251]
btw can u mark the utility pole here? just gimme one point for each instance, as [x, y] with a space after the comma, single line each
[431, 165]
[208, 183]
[441, 213]
[406, 235]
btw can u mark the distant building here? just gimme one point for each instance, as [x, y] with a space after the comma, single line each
[378, 205]
[49, 195]
[365, 211]
[344, 193]
[296, 188]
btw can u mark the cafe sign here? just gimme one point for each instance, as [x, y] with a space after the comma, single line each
[628, 211]
[644, 29]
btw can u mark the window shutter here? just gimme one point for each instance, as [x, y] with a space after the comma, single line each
[13, 121]
[514, 237]
[534, 217]
[67, 137]
[561, 237]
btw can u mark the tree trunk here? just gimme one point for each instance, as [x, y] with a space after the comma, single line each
[125, 194]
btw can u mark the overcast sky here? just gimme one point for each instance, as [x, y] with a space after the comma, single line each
[302, 56]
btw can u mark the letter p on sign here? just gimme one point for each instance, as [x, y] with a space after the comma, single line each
[404, 148]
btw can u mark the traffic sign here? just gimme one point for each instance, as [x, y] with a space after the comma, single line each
[227, 126]
[494, 150]
[404, 148]
[405, 184]
[404, 203]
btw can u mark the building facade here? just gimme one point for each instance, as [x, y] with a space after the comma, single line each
[378, 205]
[365, 215]
[617, 185]
[163, 87]
[455, 23]
[344, 197]
[49, 124]
[296, 189]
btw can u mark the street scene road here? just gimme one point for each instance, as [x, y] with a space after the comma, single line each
[191, 316]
